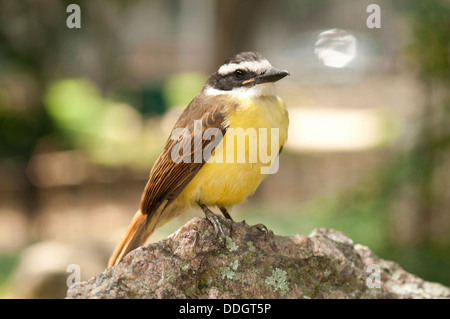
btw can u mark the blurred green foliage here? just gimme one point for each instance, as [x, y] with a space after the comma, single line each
[181, 88]
[430, 26]
[107, 131]
[8, 262]
[19, 132]
[76, 108]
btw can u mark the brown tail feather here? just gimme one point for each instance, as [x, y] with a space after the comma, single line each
[135, 236]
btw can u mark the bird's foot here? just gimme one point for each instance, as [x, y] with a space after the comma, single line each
[261, 227]
[217, 222]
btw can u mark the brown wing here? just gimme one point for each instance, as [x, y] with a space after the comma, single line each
[168, 178]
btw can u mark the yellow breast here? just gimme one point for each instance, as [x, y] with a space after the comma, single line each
[257, 129]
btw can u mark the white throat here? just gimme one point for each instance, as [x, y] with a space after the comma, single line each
[256, 91]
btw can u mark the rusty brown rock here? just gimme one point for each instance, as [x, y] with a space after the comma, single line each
[254, 263]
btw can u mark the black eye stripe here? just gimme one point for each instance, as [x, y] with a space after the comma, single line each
[229, 81]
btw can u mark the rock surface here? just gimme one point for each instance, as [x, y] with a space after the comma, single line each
[254, 263]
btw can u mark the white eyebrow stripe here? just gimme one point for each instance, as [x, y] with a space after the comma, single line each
[248, 65]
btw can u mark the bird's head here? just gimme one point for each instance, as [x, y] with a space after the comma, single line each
[247, 74]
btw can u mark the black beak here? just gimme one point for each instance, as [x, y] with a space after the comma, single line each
[272, 75]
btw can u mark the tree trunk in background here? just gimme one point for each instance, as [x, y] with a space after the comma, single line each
[430, 48]
[236, 22]
[426, 168]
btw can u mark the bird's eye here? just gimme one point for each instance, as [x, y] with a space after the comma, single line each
[239, 74]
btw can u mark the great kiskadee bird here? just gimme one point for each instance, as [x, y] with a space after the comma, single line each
[240, 95]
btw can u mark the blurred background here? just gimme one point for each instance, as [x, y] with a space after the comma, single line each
[84, 112]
